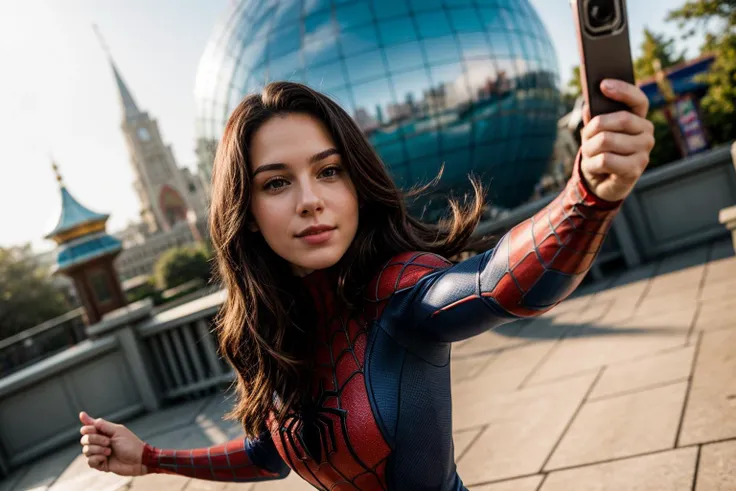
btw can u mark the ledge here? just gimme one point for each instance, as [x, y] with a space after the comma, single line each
[124, 316]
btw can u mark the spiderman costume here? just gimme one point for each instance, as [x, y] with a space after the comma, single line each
[380, 416]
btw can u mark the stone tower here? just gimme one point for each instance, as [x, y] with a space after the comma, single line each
[85, 253]
[165, 194]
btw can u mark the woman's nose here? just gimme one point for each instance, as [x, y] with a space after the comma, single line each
[310, 202]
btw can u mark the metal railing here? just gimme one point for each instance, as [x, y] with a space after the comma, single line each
[42, 341]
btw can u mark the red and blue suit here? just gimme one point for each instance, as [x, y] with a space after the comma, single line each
[380, 417]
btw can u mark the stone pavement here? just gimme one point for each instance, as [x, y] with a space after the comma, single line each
[630, 385]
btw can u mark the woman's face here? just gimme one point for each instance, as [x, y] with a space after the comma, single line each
[303, 200]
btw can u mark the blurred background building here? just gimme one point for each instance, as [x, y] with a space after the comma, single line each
[472, 86]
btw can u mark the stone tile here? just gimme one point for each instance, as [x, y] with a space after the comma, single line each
[664, 304]
[711, 408]
[717, 314]
[462, 439]
[292, 483]
[717, 467]
[648, 372]
[204, 485]
[666, 471]
[523, 484]
[594, 346]
[99, 481]
[524, 427]
[166, 419]
[510, 368]
[159, 482]
[622, 426]
[722, 289]
[489, 342]
[465, 369]
[45, 470]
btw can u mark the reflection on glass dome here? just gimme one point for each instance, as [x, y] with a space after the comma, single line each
[468, 84]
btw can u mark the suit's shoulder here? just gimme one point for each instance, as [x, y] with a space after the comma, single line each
[403, 271]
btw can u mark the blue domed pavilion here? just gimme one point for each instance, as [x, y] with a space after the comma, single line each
[85, 253]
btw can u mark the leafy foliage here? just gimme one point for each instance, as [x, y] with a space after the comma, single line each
[181, 264]
[719, 104]
[27, 294]
[655, 47]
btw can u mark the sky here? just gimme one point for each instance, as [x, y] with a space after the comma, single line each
[58, 97]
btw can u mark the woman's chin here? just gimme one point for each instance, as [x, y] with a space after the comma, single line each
[317, 259]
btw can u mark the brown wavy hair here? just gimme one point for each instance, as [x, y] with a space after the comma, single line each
[263, 327]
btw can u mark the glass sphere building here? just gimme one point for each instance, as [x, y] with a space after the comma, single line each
[468, 84]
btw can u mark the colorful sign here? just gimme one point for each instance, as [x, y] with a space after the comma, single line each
[691, 128]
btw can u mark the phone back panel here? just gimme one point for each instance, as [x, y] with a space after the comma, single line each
[602, 58]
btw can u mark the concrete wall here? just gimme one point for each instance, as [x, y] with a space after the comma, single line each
[671, 208]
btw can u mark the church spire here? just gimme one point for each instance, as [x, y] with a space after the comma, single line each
[130, 109]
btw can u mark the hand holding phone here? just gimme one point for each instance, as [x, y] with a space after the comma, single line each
[617, 138]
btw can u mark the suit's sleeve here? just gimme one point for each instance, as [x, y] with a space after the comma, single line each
[240, 460]
[535, 265]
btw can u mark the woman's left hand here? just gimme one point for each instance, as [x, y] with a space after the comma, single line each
[615, 147]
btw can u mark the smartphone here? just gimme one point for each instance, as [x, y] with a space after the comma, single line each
[605, 50]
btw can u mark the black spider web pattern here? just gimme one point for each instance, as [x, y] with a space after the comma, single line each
[319, 417]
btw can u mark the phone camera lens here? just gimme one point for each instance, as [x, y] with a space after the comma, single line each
[601, 13]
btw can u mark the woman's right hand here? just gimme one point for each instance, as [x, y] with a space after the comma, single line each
[111, 447]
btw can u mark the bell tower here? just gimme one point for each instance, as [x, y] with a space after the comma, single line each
[164, 195]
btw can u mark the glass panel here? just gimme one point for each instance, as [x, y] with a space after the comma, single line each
[315, 5]
[474, 45]
[465, 20]
[241, 72]
[392, 153]
[459, 3]
[492, 19]
[353, 14]
[410, 88]
[457, 136]
[366, 66]
[236, 96]
[318, 27]
[442, 49]
[500, 44]
[397, 31]
[374, 97]
[286, 67]
[320, 52]
[424, 141]
[283, 41]
[326, 76]
[359, 39]
[254, 53]
[343, 97]
[389, 8]
[433, 24]
[287, 14]
[422, 5]
[404, 57]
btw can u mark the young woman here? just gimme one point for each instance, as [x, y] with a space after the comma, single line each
[341, 309]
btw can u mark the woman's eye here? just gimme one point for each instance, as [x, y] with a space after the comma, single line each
[330, 171]
[275, 184]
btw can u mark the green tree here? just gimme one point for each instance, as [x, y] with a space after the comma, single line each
[716, 19]
[655, 47]
[181, 264]
[27, 294]
[575, 86]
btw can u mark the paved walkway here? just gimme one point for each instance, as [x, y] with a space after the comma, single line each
[631, 385]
